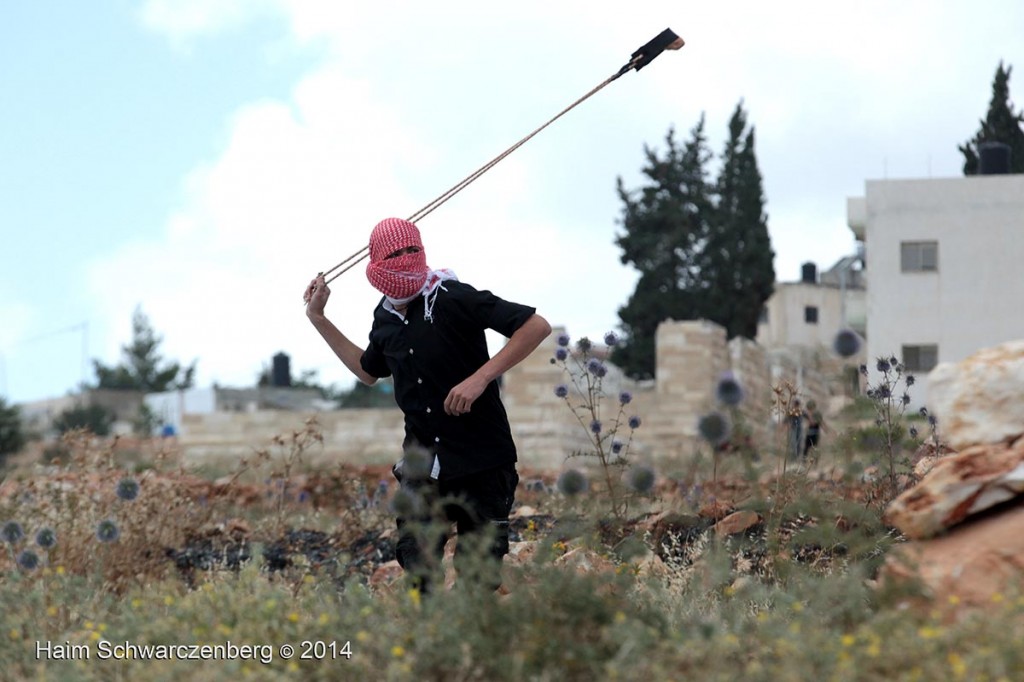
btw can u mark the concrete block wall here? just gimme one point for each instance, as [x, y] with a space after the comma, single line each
[691, 356]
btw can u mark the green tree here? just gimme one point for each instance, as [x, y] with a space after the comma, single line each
[1001, 124]
[12, 435]
[142, 368]
[94, 418]
[666, 225]
[702, 249]
[738, 273]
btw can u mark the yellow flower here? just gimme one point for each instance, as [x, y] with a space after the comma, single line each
[957, 664]
[414, 596]
[365, 611]
[88, 625]
[794, 628]
[324, 619]
[798, 606]
[397, 651]
[60, 570]
[136, 603]
[293, 666]
[849, 640]
[620, 617]
[102, 627]
[51, 611]
[996, 597]
[223, 629]
[14, 634]
[874, 650]
[928, 632]
[954, 600]
[308, 579]
[94, 635]
[362, 636]
[168, 600]
[293, 617]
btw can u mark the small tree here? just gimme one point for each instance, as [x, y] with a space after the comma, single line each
[12, 435]
[94, 418]
[142, 367]
[1001, 124]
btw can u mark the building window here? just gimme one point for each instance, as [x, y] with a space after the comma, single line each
[811, 314]
[919, 256]
[920, 358]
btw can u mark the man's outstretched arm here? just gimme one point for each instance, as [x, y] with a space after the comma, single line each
[316, 296]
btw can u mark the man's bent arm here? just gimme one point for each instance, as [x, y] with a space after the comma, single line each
[522, 342]
[348, 352]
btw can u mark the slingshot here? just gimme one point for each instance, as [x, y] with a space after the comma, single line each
[666, 40]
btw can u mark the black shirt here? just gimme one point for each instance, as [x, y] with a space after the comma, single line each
[427, 359]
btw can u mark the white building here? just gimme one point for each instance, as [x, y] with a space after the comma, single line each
[944, 258]
[810, 312]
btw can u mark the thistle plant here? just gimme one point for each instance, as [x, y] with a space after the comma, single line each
[610, 432]
[890, 396]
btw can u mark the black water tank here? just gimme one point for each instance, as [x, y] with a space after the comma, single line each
[282, 372]
[993, 158]
[809, 273]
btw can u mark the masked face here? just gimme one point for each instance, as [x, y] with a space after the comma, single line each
[398, 264]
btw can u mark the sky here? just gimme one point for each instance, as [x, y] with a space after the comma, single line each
[202, 160]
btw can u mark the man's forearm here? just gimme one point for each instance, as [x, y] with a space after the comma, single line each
[523, 342]
[348, 352]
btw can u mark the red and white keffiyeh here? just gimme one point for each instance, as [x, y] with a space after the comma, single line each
[403, 278]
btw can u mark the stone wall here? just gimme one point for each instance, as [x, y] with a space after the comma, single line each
[691, 356]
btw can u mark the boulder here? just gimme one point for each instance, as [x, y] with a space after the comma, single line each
[958, 486]
[974, 565]
[737, 522]
[978, 400]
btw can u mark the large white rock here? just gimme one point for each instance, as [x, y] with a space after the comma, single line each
[981, 398]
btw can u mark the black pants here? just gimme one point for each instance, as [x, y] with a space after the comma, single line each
[479, 505]
[811, 441]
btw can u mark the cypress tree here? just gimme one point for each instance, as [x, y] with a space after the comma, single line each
[1001, 124]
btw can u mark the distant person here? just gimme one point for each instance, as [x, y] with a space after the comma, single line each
[815, 425]
[428, 334]
[794, 426]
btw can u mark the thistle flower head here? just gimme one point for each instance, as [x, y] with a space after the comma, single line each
[714, 427]
[625, 398]
[909, 380]
[28, 560]
[416, 464]
[932, 421]
[572, 482]
[127, 489]
[46, 538]
[728, 391]
[611, 339]
[616, 446]
[864, 370]
[406, 504]
[923, 411]
[561, 390]
[563, 339]
[584, 345]
[846, 343]
[561, 353]
[107, 531]
[913, 432]
[640, 478]
[634, 422]
[12, 532]
[595, 426]
[594, 365]
[882, 365]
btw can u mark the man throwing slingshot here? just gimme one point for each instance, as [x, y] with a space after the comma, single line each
[428, 334]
